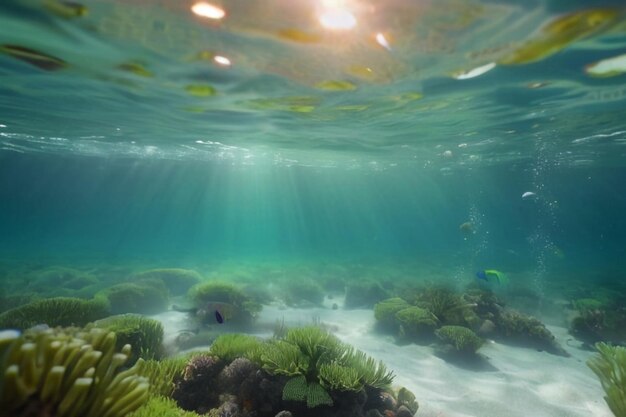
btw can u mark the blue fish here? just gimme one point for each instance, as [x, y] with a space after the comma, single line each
[218, 317]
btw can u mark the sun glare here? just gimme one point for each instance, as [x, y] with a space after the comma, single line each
[208, 10]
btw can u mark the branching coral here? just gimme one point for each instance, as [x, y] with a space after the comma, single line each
[610, 367]
[60, 311]
[68, 373]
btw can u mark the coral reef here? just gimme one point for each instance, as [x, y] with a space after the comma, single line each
[66, 373]
[144, 334]
[461, 339]
[610, 367]
[176, 280]
[307, 373]
[144, 298]
[60, 311]
[420, 311]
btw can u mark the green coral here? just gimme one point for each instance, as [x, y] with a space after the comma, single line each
[416, 321]
[449, 307]
[144, 334]
[340, 378]
[610, 367]
[296, 389]
[164, 373]
[66, 373]
[159, 406]
[281, 358]
[176, 280]
[371, 372]
[145, 298]
[60, 311]
[317, 396]
[317, 359]
[385, 311]
[234, 345]
[215, 291]
[462, 339]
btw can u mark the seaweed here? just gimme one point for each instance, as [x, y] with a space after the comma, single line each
[610, 367]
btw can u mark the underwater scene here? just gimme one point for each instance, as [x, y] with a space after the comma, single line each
[312, 208]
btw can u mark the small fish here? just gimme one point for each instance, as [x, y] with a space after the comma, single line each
[467, 228]
[492, 276]
[527, 195]
[66, 9]
[33, 57]
[218, 317]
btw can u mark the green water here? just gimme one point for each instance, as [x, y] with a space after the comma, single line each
[323, 171]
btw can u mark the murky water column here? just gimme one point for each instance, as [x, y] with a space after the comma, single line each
[543, 208]
[476, 237]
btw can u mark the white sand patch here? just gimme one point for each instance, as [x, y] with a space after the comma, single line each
[520, 382]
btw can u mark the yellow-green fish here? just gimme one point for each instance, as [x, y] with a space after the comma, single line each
[33, 57]
[492, 276]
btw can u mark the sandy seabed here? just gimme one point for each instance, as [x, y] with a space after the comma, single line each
[514, 381]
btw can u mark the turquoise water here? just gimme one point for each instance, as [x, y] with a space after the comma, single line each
[431, 141]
